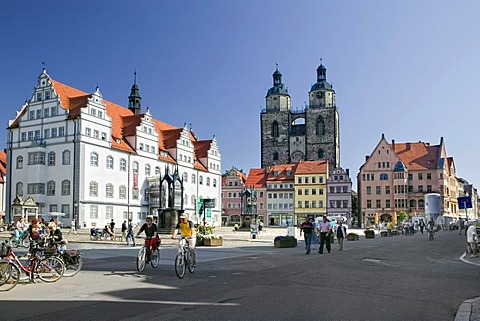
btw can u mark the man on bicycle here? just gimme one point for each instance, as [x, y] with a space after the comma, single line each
[187, 230]
[151, 236]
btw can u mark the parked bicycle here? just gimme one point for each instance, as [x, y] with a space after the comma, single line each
[183, 260]
[142, 259]
[71, 258]
[47, 269]
[9, 275]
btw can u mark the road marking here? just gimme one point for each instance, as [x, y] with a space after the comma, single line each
[463, 259]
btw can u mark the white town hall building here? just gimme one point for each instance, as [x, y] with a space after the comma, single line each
[92, 160]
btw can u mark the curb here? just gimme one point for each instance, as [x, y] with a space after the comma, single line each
[465, 310]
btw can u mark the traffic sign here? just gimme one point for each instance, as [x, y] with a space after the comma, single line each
[208, 212]
[464, 202]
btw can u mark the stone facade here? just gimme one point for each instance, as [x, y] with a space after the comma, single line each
[312, 133]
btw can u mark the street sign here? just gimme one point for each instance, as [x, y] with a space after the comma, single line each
[208, 212]
[200, 206]
[464, 202]
[209, 202]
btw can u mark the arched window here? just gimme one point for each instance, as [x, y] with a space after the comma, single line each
[157, 170]
[51, 188]
[275, 156]
[214, 182]
[320, 126]
[208, 181]
[66, 157]
[194, 200]
[275, 129]
[93, 189]
[383, 176]
[185, 177]
[109, 162]
[123, 165]
[94, 159]
[193, 179]
[51, 159]
[109, 190]
[413, 204]
[200, 180]
[321, 153]
[19, 162]
[66, 187]
[135, 167]
[19, 189]
[147, 170]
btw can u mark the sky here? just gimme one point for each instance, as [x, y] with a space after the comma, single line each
[408, 69]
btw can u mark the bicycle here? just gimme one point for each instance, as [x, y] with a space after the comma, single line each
[9, 275]
[431, 234]
[183, 260]
[20, 240]
[49, 269]
[71, 258]
[142, 253]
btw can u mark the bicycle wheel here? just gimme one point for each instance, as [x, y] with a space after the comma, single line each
[9, 275]
[25, 242]
[188, 259]
[73, 268]
[50, 269]
[180, 265]
[155, 258]
[141, 259]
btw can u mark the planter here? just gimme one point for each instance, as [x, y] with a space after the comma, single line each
[352, 237]
[212, 242]
[285, 242]
[369, 234]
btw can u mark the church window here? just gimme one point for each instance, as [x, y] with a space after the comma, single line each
[275, 129]
[320, 126]
[275, 156]
[321, 154]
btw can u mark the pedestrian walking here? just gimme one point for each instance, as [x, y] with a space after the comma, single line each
[325, 233]
[307, 229]
[124, 230]
[72, 228]
[421, 224]
[472, 239]
[341, 234]
[112, 229]
[130, 234]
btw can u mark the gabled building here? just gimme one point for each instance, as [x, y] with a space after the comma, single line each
[280, 195]
[339, 196]
[93, 160]
[396, 176]
[257, 182]
[233, 185]
[310, 189]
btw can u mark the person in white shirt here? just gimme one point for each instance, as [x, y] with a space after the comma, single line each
[472, 239]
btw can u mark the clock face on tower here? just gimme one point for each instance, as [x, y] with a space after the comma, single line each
[320, 94]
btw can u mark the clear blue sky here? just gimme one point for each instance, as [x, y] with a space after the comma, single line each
[408, 69]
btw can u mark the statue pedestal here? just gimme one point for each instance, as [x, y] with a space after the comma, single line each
[167, 220]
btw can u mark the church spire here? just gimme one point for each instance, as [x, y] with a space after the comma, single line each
[134, 100]
[321, 72]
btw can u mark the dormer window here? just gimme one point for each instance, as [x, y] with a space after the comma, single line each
[275, 173]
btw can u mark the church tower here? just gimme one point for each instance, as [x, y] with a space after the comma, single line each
[310, 134]
[134, 100]
[275, 124]
[323, 141]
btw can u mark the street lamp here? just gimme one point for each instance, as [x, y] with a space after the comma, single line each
[75, 214]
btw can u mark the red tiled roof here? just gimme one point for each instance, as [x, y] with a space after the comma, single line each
[124, 124]
[282, 172]
[312, 167]
[417, 156]
[257, 177]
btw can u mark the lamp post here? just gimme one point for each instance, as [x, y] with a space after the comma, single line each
[75, 214]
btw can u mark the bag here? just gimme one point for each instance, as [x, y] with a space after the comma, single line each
[71, 256]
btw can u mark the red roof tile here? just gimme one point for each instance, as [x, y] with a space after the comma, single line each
[257, 177]
[282, 174]
[417, 156]
[312, 167]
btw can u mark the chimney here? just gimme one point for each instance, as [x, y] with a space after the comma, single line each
[348, 172]
[393, 144]
[366, 158]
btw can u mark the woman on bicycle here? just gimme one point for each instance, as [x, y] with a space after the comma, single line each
[187, 230]
[151, 236]
[55, 234]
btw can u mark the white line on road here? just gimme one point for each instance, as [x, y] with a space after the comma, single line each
[462, 258]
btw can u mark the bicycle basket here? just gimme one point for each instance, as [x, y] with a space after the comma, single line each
[4, 249]
[49, 251]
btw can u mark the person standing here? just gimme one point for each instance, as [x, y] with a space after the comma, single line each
[307, 229]
[130, 234]
[124, 230]
[472, 239]
[421, 225]
[112, 229]
[72, 228]
[341, 234]
[325, 231]
[389, 228]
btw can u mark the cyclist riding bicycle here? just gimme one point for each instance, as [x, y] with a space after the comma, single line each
[187, 230]
[151, 236]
